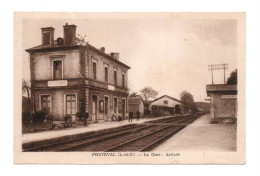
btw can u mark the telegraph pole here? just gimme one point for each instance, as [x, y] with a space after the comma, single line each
[213, 67]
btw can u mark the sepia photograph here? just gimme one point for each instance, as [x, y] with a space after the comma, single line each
[138, 88]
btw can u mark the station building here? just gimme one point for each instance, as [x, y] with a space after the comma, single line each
[69, 75]
[223, 103]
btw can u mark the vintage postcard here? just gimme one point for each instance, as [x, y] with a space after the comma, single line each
[129, 88]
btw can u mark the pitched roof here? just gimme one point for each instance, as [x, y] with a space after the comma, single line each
[42, 48]
[135, 100]
[168, 97]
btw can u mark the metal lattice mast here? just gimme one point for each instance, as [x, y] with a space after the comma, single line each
[213, 67]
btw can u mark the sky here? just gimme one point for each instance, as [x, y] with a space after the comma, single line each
[168, 54]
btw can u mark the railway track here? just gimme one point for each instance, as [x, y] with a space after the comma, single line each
[129, 138]
[147, 142]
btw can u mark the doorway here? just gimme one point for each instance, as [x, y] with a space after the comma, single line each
[94, 108]
[115, 106]
[71, 106]
[123, 107]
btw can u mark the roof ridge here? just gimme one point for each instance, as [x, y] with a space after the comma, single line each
[167, 96]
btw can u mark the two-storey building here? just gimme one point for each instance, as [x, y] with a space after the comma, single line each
[70, 76]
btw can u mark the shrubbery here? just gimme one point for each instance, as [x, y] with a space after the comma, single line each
[38, 117]
[83, 116]
[26, 118]
[68, 121]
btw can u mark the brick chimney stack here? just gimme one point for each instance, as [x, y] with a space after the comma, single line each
[47, 36]
[103, 49]
[69, 34]
[115, 55]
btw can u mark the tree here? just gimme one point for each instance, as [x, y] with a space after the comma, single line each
[148, 92]
[134, 94]
[26, 87]
[187, 99]
[232, 80]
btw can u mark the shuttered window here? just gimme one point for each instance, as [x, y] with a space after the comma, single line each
[115, 77]
[57, 69]
[106, 74]
[94, 70]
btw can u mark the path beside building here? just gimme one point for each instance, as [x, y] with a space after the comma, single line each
[201, 135]
[31, 137]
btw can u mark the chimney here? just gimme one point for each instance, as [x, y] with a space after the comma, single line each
[115, 55]
[102, 49]
[69, 34]
[47, 36]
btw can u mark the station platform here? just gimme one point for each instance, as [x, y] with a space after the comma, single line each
[52, 134]
[201, 135]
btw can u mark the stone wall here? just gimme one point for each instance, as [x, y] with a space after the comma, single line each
[224, 108]
[43, 64]
[101, 62]
[57, 97]
[101, 116]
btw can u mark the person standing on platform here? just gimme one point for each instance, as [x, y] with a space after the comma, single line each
[131, 116]
[138, 115]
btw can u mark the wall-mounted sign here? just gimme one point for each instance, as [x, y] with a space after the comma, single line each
[110, 87]
[57, 83]
[228, 96]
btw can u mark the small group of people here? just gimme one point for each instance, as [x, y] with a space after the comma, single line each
[131, 114]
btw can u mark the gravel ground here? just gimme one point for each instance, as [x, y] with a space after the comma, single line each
[202, 136]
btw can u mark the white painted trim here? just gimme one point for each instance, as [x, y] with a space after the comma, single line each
[40, 104]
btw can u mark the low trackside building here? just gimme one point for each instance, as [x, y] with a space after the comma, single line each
[171, 104]
[69, 75]
[136, 104]
[223, 103]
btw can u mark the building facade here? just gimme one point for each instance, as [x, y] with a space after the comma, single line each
[168, 103]
[223, 103]
[69, 75]
[136, 104]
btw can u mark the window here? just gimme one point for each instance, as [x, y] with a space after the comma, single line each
[71, 105]
[57, 69]
[115, 105]
[46, 103]
[106, 74]
[123, 80]
[115, 77]
[94, 70]
[106, 105]
[165, 102]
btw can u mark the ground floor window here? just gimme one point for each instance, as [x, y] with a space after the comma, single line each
[46, 103]
[115, 105]
[106, 105]
[71, 105]
[123, 107]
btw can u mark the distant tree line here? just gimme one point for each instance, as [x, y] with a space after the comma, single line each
[232, 80]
